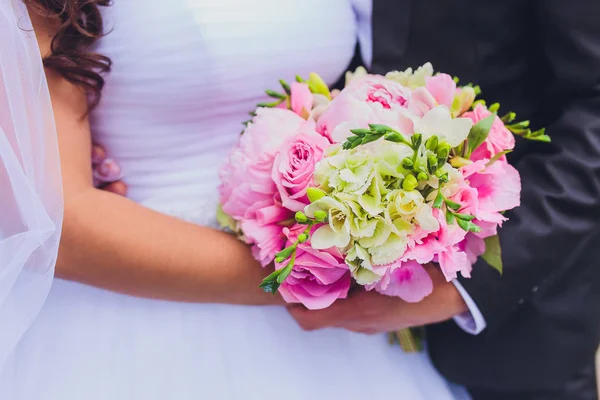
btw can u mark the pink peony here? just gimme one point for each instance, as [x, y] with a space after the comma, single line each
[373, 99]
[294, 167]
[247, 191]
[442, 88]
[407, 280]
[499, 138]
[318, 278]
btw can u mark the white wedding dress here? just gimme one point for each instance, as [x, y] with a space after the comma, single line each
[185, 74]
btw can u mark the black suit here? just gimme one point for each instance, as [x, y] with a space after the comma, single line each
[540, 59]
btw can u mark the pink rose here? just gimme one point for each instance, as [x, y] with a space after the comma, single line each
[373, 99]
[407, 280]
[318, 278]
[499, 138]
[294, 167]
[247, 191]
[442, 87]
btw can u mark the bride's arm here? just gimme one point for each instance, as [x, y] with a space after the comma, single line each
[114, 243]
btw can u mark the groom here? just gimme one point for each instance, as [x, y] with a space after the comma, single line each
[535, 329]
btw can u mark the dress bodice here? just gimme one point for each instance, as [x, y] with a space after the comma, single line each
[185, 75]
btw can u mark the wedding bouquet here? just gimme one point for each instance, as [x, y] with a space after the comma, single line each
[366, 185]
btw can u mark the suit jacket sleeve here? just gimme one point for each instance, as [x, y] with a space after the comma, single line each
[556, 230]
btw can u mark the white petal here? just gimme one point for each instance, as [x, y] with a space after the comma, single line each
[426, 219]
[459, 132]
[436, 122]
[324, 238]
[390, 251]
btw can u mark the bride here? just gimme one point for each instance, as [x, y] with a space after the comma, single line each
[150, 301]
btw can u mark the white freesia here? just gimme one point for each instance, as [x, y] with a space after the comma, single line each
[426, 219]
[439, 122]
[411, 79]
[337, 232]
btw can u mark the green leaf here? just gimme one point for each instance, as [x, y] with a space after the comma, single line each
[542, 138]
[315, 194]
[464, 217]
[360, 132]
[370, 138]
[439, 200]
[493, 253]
[452, 205]
[269, 287]
[300, 79]
[269, 105]
[379, 128]
[269, 284]
[285, 86]
[467, 225]
[285, 272]
[497, 157]
[287, 252]
[519, 125]
[494, 107]
[479, 132]
[449, 217]
[275, 94]
[509, 117]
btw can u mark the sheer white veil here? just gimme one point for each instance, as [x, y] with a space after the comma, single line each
[31, 204]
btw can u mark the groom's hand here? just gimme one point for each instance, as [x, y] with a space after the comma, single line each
[370, 312]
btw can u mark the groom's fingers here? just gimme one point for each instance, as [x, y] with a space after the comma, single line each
[317, 319]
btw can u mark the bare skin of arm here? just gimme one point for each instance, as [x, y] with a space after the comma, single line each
[111, 242]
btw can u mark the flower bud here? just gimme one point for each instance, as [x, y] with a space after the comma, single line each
[301, 217]
[394, 137]
[407, 163]
[317, 85]
[410, 183]
[416, 140]
[302, 238]
[315, 194]
[422, 176]
[432, 163]
[443, 150]
[432, 143]
[321, 216]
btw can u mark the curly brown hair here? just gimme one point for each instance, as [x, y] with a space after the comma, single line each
[80, 25]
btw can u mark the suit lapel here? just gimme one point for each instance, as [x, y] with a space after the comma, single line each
[391, 28]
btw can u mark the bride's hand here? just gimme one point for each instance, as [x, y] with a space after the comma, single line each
[371, 312]
[107, 173]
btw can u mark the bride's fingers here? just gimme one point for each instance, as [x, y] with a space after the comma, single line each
[116, 187]
[98, 154]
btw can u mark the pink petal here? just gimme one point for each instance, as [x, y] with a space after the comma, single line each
[410, 282]
[301, 98]
[452, 261]
[442, 87]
